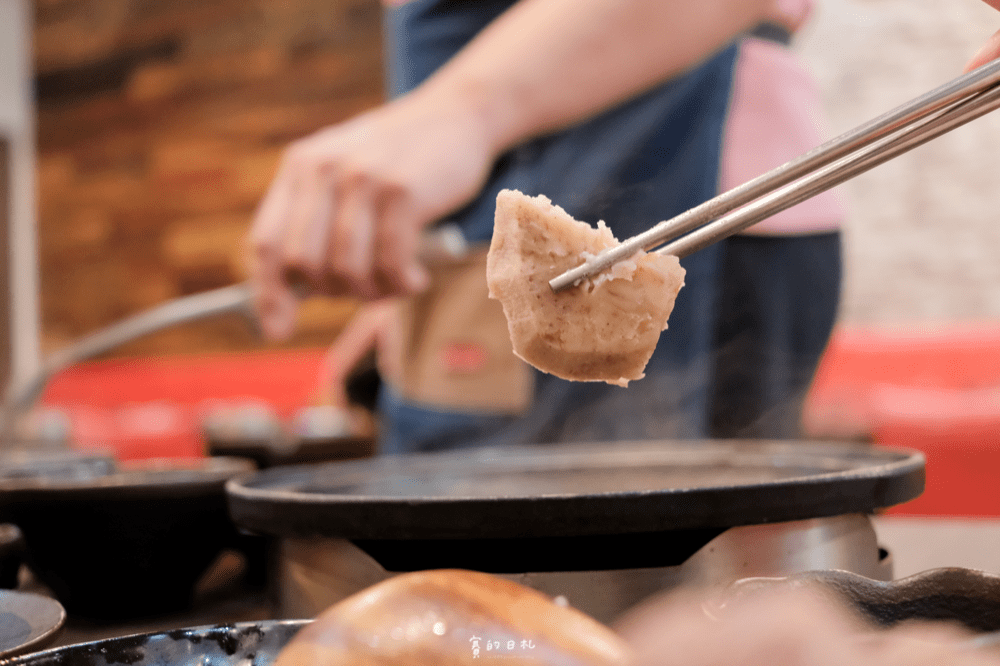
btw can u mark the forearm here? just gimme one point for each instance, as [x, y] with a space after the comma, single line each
[546, 64]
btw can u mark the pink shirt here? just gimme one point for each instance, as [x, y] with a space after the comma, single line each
[776, 115]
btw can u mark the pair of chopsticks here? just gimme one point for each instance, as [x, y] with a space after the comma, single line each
[927, 117]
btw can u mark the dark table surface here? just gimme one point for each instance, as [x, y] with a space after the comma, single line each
[223, 596]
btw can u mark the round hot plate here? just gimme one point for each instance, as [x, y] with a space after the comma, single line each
[126, 540]
[239, 644]
[575, 490]
[27, 621]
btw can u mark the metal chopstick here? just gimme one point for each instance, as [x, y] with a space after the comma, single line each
[922, 119]
[830, 176]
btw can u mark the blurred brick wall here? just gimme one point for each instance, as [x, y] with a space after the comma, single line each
[160, 123]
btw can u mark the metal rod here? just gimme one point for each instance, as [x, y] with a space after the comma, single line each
[442, 244]
[233, 299]
[832, 175]
[888, 123]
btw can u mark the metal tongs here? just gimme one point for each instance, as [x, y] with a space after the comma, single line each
[927, 117]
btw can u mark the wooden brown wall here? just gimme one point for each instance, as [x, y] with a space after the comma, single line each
[159, 126]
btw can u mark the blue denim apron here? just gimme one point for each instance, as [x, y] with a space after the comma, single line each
[645, 161]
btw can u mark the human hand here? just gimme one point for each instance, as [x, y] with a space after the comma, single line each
[991, 50]
[348, 203]
[370, 329]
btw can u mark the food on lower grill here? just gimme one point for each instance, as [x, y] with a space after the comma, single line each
[452, 618]
[603, 329]
[796, 624]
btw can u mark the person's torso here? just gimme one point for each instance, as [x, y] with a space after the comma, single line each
[646, 160]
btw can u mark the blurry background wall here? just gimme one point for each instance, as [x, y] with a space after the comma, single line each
[924, 231]
[160, 123]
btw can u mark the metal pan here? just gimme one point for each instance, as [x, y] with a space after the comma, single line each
[558, 508]
[131, 542]
[27, 622]
[963, 596]
[575, 490]
[256, 643]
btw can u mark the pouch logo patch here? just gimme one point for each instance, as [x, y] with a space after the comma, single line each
[463, 358]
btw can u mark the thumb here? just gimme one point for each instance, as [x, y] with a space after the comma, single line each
[990, 51]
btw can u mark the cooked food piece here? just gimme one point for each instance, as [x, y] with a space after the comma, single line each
[792, 625]
[448, 618]
[604, 329]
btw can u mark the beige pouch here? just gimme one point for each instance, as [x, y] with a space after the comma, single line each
[453, 351]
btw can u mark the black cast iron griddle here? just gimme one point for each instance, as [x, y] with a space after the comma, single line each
[125, 540]
[550, 508]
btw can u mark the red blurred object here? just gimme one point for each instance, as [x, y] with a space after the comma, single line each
[938, 392]
[860, 361]
[934, 391]
[153, 407]
[958, 431]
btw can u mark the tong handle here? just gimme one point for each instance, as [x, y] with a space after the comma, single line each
[442, 244]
